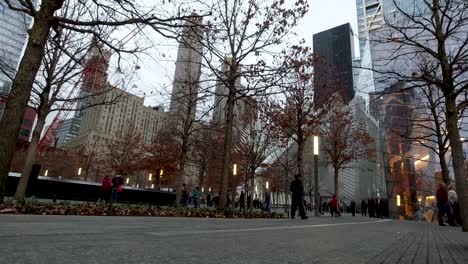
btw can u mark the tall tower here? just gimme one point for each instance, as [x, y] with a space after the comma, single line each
[369, 17]
[334, 70]
[188, 69]
[13, 35]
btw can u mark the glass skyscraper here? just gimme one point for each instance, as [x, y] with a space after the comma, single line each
[13, 35]
[369, 17]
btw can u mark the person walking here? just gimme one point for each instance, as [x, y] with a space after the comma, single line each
[196, 194]
[297, 190]
[370, 203]
[116, 187]
[363, 208]
[268, 201]
[334, 207]
[106, 188]
[353, 207]
[455, 217]
[242, 201]
[208, 200]
[185, 195]
[377, 208]
[442, 200]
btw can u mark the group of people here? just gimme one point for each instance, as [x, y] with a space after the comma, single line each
[447, 205]
[110, 189]
[375, 208]
[190, 198]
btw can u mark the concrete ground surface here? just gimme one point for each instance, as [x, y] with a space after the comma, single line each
[85, 239]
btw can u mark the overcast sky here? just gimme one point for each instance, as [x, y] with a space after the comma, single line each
[154, 78]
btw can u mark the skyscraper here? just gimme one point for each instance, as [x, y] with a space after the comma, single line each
[13, 35]
[69, 129]
[187, 72]
[334, 70]
[370, 17]
[244, 109]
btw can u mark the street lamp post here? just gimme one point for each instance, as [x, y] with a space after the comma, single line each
[316, 178]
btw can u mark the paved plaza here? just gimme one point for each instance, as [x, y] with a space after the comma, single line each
[83, 239]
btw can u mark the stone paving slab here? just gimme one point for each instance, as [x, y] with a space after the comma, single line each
[80, 239]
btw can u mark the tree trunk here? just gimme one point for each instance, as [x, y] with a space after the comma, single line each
[300, 151]
[201, 179]
[235, 179]
[445, 169]
[30, 159]
[336, 172]
[181, 170]
[20, 92]
[286, 182]
[252, 188]
[458, 158]
[227, 145]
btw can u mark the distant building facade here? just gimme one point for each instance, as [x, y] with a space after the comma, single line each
[107, 122]
[185, 88]
[27, 125]
[13, 36]
[69, 129]
[334, 68]
[369, 17]
[245, 106]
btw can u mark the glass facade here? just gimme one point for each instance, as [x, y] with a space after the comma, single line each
[69, 129]
[335, 51]
[13, 35]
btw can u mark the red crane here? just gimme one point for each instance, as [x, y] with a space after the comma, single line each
[87, 82]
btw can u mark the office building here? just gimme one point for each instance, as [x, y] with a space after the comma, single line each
[102, 123]
[69, 129]
[369, 17]
[245, 106]
[334, 49]
[13, 36]
[187, 72]
[27, 125]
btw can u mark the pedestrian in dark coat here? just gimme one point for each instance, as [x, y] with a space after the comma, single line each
[442, 202]
[371, 209]
[297, 190]
[242, 201]
[363, 208]
[353, 208]
[382, 208]
[208, 200]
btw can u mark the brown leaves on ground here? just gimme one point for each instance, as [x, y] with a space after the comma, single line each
[92, 209]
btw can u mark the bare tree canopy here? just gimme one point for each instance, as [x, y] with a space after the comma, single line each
[97, 17]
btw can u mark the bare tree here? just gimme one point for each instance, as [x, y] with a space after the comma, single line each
[283, 159]
[60, 72]
[253, 148]
[48, 16]
[344, 138]
[242, 37]
[297, 115]
[426, 46]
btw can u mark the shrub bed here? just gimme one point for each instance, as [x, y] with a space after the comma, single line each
[93, 209]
